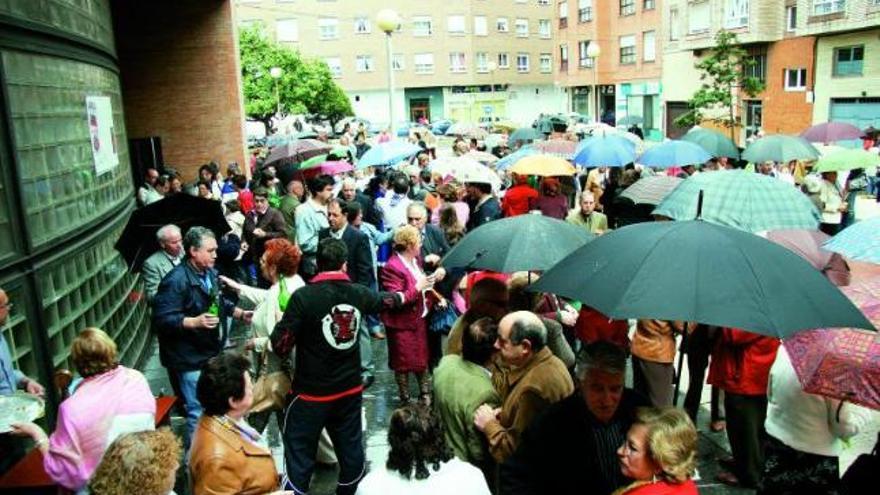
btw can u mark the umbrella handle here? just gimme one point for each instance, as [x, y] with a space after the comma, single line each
[699, 205]
[681, 352]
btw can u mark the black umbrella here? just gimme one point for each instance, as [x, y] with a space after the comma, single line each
[296, 151]
[138, 240]
[701, 272]
[523, 242]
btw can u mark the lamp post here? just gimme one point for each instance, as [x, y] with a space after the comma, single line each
[593, 51]
[491, 67]
[276, 73]
[388, 21]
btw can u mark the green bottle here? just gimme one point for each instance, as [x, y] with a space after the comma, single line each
[214, 308]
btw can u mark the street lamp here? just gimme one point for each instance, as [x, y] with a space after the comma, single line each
[276, 72]
[388, 21]
[593, 51]
[491, 67]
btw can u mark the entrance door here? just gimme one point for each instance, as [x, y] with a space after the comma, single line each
[674, 110]
[754, 117]
[420, 108]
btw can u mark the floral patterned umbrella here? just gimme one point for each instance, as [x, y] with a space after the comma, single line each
[563, 148]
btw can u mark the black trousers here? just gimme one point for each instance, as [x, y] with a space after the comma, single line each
[745, 431]
[698, 349]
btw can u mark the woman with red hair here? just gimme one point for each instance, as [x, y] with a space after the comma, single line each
[552, 202]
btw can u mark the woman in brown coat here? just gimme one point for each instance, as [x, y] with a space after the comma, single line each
[653, 352]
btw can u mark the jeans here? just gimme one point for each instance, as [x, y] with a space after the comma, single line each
[366, 350]
[303, 421]
[187, 381]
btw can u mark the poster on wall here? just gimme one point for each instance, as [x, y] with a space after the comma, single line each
[100, 115]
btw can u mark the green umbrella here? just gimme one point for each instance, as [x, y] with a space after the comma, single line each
[743, 200]
[847, 160]
[714, 142]
[780, 148]
[524, 134]
[523, 242]
[700, 272]
[312, 162]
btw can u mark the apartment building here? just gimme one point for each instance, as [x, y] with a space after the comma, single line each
[627, 72]
[459, 59]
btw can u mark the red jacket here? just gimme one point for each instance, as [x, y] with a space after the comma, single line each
[661, 488]
[592, 326]
[741, 362]
[518, 200]
[395, 277]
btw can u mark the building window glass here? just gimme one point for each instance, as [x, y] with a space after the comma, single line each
[584, 60]
[335, 66]
[482, 62]
[398, 62]
[795, 79]
[546, 63]
[757, 69]
[287, 30]
[522, 28]
[563, 57]
[457, 62]
[649, 46]
[649, 5]
[547, 2]
[585, 10]
[422, 26]
[673, 25]
[328, 28]
[563, 15]
[481, 27]
[364, 63]
[455, 24]
[503, 61]
[791, 18]
[848, 60]
[424, 63]
[828, 6]
[627, 7]
[362, 25]
[627, 50]
[502, 25]
[522, 62]
[544, 29]
[698, 18]
[736, 13]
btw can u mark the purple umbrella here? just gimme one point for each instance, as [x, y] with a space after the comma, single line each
[830, 132]
[808, 245]
[297, 151]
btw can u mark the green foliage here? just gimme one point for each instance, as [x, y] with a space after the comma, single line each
[305, 86]
[722, 72]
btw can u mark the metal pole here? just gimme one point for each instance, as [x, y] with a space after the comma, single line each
[596, 87]
[390, 86]
[277, 101]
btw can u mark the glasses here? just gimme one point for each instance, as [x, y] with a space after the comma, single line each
[415, 219]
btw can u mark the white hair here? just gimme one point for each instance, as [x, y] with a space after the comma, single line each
[349, 181]
[166, 231]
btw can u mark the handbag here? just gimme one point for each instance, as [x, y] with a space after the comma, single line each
[270, 389]
[863, 472]
[443, 319]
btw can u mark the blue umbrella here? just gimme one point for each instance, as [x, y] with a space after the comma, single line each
[524, 134]
[388, 153]
[674, 154]
[860, 241]
[605, 151]
[507, 161]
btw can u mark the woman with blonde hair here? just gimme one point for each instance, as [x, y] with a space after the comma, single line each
[109, 401]
[659, 453]
[145, 462]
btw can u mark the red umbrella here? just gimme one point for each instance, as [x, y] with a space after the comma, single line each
[839, 363]
[808, 245]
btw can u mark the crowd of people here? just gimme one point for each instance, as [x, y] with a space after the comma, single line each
[496, 385]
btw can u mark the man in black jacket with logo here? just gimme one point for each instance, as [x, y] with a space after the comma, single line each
[323, 321]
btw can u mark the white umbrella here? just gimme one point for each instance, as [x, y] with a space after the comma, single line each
[465, 169]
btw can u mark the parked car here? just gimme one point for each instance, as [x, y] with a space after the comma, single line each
[439, 127]
[355, 122]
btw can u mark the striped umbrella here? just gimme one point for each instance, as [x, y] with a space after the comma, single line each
[652, 189]
[562, 148]
[742, 200]
[860, 241]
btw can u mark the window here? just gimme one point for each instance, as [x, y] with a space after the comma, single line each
[364, 63]
[848, 60]
[501, 25]
[503, 61]
[522, 28]
[584, 60]
[698, 18]
[482, 62]
[522, 62]
[547, 2]
[563, 57]
[585, 10]
[328, 28]
[481, 27]
[250, 24]
[362, 25]
[335, 66]
[673, 25]
[627, 50]
[455, 24]
[398, 61]
[736, 13]
[795, 79]
[791, 18]
[422, 26]
[627, 7]
[649, 46]
[457, 62]
[424, 63]
[758, 66]
[828, 6]
[544, 29]
[649, 5]
[546, 63]
[286, 30]
[563, 15]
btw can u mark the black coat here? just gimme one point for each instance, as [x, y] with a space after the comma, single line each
[360, 257]
[434, 242]
[485, 213]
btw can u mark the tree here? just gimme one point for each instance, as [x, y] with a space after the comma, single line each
[723, 73]
[305, 86]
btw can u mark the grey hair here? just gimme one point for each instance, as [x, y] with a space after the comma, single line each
[349, 181]
[527, 326]
[195, 237]
[166, 230]
[587, 192]
[417, 204]
[602, 356]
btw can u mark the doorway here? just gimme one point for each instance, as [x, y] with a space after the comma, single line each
[419, 109]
